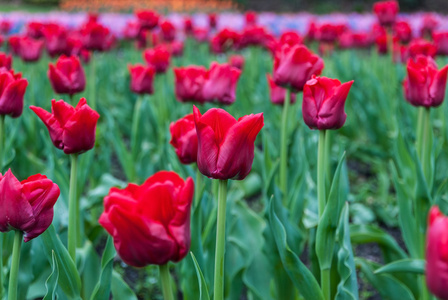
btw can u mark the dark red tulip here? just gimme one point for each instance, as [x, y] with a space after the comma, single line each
[27, 206]
[425, 84]
[212, 20]
[294, 65]
[147, 38]
[14, 41]
[30, 50]
[92, 17]
[386, 12]
[220, 84]
[150, 223]
[278, 93]
[168, 31]
[421, 47]
[381, 44]
[323, 103]
[224, 40]
[5, 61]
[142, 78]
[200, 34]
[225, 145]
[34, 30]
[436, 270]
[291, 38]
[403, 31]
[71, 129]
[251, 36]
[12, 90]
[158, 57]
[328, 33]
[236, 61]
[189, 82]
[429, 25]
[184, 139]
[67, 75]
[188, 25]
[441, 42]
[5, 27]
[131, 30]
[362, 40]
[56, 39]
[311, 32]
[96, 37]
[147, 19]
[251, 18]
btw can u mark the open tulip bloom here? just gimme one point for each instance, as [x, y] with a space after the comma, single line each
[67, 75]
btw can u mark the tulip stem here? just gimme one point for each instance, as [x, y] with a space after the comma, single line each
[418, 140]
[135, 127]
[92, 79]
[14, 272]
[1, 265]
[198, 189]
[220, 241]
[284, 149]
[321, 164]
[72, 208]
[166, 282]
[2, 140]
[426, 146]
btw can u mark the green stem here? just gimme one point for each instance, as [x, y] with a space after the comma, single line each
[92, 82]
[325, 283]
[72, 208]
[321, 161]
[1, 265]
[418, 141]
[220, 241]
[2, 140]
[135, 126]
[327, 161]
[166, 282]
[198, 187]
[284, 149]
[425, 146]
[14, 272]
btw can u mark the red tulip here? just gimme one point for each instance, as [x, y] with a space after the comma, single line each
[147, 38]
[30, 50]
[212, 20]
[381, 44]
[168, 31]
[71, 129]
[224, 40]
[148, 19]
[362, 40]
[34, 30]
[14, 41]
[293, 66]
[403, 31]
[159, 57]
[176, 48]
[291, 38]
[12, 90]
[56, 39]
[323, 103]
[150, 223]
[425, 84]
[237, 61]
[225, 145]
[188, 25]
[429, 24]
[441, 42]
[220, 84]
[142, 78]
[327, 33]
[420, 46]
[311, 32]
[189, 82]
[251, 36]
[131, 30]
[277, 93]
[96, 37]
[27, 206]
[5, 61]
[200, 34]
[67, 75]
[184, 139]
[386, 12]
[437, 254]
[5, 27]
[251, 18]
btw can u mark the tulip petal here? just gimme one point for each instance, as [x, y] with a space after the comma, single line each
[331, 113]
[59, 81]
[62, 111]
[438, 86]
[52, 125]
[11, 100]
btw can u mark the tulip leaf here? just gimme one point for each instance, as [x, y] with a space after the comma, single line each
[52, 281]
[404, 266]
[203, 290]
[102, 289]
[120, 289]
[69, 279]
[302, 278]
[328, 223]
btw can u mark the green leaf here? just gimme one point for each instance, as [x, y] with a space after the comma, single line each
[302, 278]
[69, 279]
[404, 266]
[203, 290]
[102, 289]
[328, 223]
[52, 281]
[120, 289]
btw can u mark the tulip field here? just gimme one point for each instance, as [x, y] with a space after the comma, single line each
[224, 156]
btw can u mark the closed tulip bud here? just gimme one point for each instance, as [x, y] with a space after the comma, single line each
[71, 129]
[142, 78]
[277, 93]
[159, 57]
[220, 84]
[67, 75]
[27, 206]
[5, 61]
[168, 31]
[225, 145]
[150, 223]
[184, 139]
[294, 66]
[189, 82]
[12, 90]
[30, 50]
[323, 103]
[386, 12]
[437, 254]
[425, 84]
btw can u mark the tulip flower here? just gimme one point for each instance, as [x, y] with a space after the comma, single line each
[437, 253]
[323, 103]
[159, 57]
[5, 27]
[225, 145]
[96, 37]
[189, 82]
[429, 24]
[441, 42]
[294, 65]
[168, 31]
[251, 36]
[188, 25]
[29, 49]
[142, 78]
[12, 90]
[56, 39]
[220, 84]
[200, 34]
[184, 139]
[403, 31]
[386, 12]
[327, 33]
[147, 19]
[131, 30]
[71, 129]
[5, 61]
[34, 30]
[176, 48]
[67, 75]
[212, 20]
[251, 18]
[423, 47]
[237, 61]
[224, 40]
[425, 84]
[27, 205]
[291, 38]
[278, 93]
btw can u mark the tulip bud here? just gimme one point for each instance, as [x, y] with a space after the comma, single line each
[159, 57]
[142, 78]
[323, 103]
[5, 61]
[184, 139]
[277, 93]
[220, 84]
[12, 90]
[225, 145]
[71, 129]
[28, 205]
[147, 19]
[168, 31]
[67, 76]
[29, 49]
[150, 223]
[189, 82]
[386, 12]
